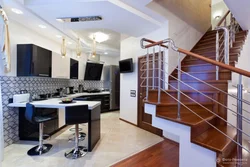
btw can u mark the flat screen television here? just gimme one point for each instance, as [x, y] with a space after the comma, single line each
[126, 66]
[93, 72]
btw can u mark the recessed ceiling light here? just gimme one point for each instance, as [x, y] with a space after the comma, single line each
[17, 11]
[217, 17]
[42, 26]
[105, 53]
[58, 36]
[69, 43]
[99, 37]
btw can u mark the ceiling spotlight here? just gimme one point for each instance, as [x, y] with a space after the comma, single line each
[217, 17]
[105, 53]
[42, 26]
[99, 37]
[69, 43]
[58, 36]
[17, 11]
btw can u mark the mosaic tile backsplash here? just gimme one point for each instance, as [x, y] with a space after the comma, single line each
[34, 85]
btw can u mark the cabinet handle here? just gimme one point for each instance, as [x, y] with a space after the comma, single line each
[44, 75]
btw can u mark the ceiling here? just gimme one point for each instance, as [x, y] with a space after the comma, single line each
[196, 13]
[240, 11]
[120, 17]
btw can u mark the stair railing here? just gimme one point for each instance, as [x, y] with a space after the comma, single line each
[161, 82]
[223, 47]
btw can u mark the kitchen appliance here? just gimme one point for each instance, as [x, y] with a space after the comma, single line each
[111, 75]
[71, 90]
[21, 98]
[93, 71]
[74, 66]
[67, 90]
[126, 66]
[80, 88]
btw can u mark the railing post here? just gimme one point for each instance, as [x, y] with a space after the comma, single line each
[226, 46]
[231, 30]
[147, 77]
[159, 75]
[164, 70]
[239, 121]
[179, 87]
[153, 70]
[217, 53]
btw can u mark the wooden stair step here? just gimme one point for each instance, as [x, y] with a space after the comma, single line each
[237, 38]
[200, 67]
[172, 95]
[232, 57]
[187, 118]
[215, 140]
[220, 84]
[233, 155]
[204, 75]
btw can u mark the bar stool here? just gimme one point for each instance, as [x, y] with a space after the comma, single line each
[32, 117]
[74, 116]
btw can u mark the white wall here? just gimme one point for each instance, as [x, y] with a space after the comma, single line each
[218, 9]
[184, 36]
[110, 60]
[1, 127]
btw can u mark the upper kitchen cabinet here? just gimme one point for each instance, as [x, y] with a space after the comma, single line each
[33, 60]
[74, 67]
[60, 66]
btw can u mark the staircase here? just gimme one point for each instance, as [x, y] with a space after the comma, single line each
[194, 91]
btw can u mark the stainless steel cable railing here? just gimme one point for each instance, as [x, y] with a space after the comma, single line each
[162, 82]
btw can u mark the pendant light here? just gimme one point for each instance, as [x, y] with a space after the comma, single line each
[78, 49]
[63, 48]
[94, 47]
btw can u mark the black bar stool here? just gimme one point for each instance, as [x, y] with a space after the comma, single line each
[74, 116]
[33, 117]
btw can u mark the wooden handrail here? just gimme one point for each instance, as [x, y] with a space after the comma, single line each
[223, 18]
[222, 65]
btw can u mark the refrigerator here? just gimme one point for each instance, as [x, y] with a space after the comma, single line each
[112, 81]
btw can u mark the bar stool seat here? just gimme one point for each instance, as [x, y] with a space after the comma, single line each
[74, 116]
[31, 116]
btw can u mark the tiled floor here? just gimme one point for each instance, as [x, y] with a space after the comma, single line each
[119, 140]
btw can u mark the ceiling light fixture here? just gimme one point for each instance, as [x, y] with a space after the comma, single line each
[17, 11]
[217, 17]
[42, 26]
[105, 53]
[63, 48]
[99, 37]
[58, 36]
[70, 43]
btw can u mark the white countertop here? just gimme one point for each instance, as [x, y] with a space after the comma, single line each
[55, 102]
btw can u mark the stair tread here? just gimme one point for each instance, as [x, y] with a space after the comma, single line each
[208, 81]
[233, 155]
[187, 91]
[194, 65]
[173, 104]
[195, 72]
[189, 119]
[215, 140]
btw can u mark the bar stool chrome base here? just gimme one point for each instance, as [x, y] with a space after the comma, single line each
[39, 150]
[78, 152]
[81, 136]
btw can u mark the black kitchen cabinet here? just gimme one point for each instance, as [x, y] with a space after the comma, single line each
[104, 99]
[29, 131]
[74, 67]
[33, 60]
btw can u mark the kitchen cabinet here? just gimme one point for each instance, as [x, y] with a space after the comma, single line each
[33, 60]
[60, 66]
[104, 99]
[74, 67]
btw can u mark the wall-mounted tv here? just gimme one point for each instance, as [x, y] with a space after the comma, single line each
[93, 71]
[126, 66]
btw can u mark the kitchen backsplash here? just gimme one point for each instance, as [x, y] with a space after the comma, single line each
[34, 85]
